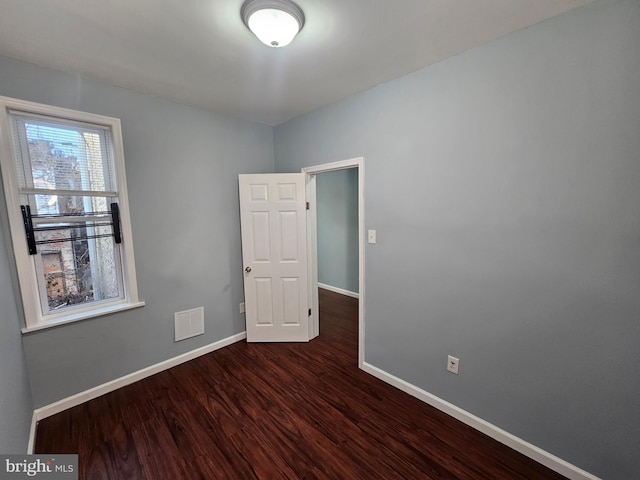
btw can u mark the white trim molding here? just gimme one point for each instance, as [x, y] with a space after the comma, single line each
[541, 456]
[32, 433]
[339, 290]
[95, 392]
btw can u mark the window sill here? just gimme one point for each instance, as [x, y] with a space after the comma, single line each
[83, 315]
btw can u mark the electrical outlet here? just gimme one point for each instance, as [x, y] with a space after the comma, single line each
[453, 364]
[242, 307]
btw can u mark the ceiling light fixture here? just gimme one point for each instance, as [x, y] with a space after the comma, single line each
[274, 22]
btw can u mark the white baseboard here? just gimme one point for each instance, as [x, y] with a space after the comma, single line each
[32, 434]
[338, 290]
[545, 458]
[112, 385]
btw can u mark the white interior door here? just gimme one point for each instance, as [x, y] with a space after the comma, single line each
[274, 255]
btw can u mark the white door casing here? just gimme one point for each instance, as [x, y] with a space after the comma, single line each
[274, 255]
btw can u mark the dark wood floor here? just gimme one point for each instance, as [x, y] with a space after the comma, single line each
[276, 411]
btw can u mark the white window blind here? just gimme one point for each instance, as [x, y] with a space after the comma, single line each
[55, 154]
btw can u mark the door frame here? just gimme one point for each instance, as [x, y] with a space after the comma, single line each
[312, 244]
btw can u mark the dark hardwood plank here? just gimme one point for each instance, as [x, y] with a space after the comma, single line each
[276, 411]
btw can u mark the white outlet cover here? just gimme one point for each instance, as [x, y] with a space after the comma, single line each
[453, 364]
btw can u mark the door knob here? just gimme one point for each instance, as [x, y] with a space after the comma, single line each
[248, 269]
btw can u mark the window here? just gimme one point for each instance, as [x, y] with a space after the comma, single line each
[63, 174]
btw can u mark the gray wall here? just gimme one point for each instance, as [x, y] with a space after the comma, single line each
[182, 165]
[503, 184]
[16, 405]
[337, 221]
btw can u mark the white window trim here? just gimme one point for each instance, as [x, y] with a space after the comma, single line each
[28, 282]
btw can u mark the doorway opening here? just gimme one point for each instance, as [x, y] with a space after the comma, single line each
[312, 238]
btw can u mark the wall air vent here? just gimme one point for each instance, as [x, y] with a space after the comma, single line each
[189, 323]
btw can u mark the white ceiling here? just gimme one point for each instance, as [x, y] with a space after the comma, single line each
[200, 53]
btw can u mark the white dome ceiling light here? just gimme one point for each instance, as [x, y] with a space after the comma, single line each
[274, 22]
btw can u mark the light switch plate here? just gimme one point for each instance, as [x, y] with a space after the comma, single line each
[371, 237]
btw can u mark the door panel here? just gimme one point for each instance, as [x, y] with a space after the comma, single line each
[288, 237]
[291, 302]
[263, 301]
[260, 236]
[274, 253]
